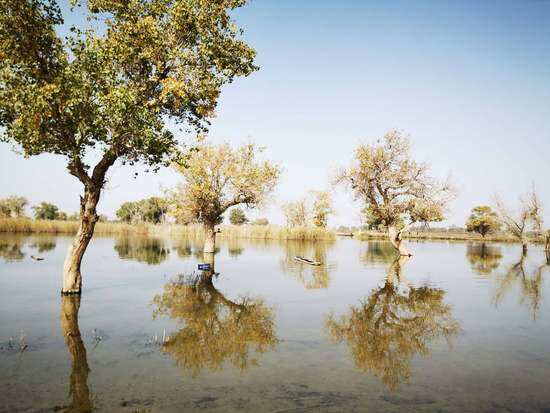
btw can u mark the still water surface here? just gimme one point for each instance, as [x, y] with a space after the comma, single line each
[457, 328]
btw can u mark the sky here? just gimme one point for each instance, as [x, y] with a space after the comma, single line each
[468, 82]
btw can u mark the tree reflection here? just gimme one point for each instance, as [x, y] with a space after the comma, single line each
[312, 277]
[234, 247]
[78, 388]
[10, 248]
[393, 325]
[215, 329]
[530, 283]
[142, 249]
[379, 252]
[484, 259]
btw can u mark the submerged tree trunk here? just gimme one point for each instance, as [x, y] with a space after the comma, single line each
[209, 238]
[72, 278]
[397, 241]
[79, 374]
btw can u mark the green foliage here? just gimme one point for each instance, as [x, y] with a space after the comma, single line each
[47, 211]
[111, 91]
[151, 210]
[483, 220]
[237, 217]
[13, 207]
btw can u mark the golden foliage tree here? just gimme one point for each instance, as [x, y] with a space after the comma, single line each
[217, 177]
[483, 220]
[394, 187]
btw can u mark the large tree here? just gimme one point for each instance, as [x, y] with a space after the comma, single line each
[104, 94]
[217, 177]
[394, 187]
[483, 220]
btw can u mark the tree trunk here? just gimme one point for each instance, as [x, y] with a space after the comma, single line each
[72, 278]
[79, 374]
[397, 241]
[524, 248]
[209, 238]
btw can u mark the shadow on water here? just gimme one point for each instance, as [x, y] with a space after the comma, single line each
[215, 329]
[151, 251]
[530, 281]
[78, 387]
[393, 324]
[483, 258]
[312, 277]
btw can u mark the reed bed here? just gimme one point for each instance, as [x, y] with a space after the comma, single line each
[26, 225]
[260, 232]
[446, 236]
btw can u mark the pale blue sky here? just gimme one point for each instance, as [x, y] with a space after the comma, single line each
[468, 81]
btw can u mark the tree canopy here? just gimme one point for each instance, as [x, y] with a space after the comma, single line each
[237, 217]
[217, 177]
[483, 220]
[392, 185]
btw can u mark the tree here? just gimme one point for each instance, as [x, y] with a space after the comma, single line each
[217, 177]
[13, 207]
[237, 217]
[322, 208]
[104, 94]
[296, 213]
[528, 217]
[152, 210]
[394, 187]
[46, 211]
[483, 220]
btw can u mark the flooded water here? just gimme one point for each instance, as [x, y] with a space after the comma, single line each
[457, 328]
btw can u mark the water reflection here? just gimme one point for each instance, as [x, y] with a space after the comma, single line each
[215, 329]
[378, 252]
[10, 248]
[43, 243]
[78, 387]
[530, 281]
[234, 247]
[312, 277]
[392, 325]
[152, 251]
[484, 259]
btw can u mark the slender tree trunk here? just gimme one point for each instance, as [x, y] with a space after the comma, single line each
[79, 375]
[524, 248]
[209, 238]
[72, 278]
[397, 241]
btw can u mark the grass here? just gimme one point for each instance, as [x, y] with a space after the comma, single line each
[26, 225]
[259, 232]
[447, 236]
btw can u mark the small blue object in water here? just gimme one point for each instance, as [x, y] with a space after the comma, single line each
[204, 267]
